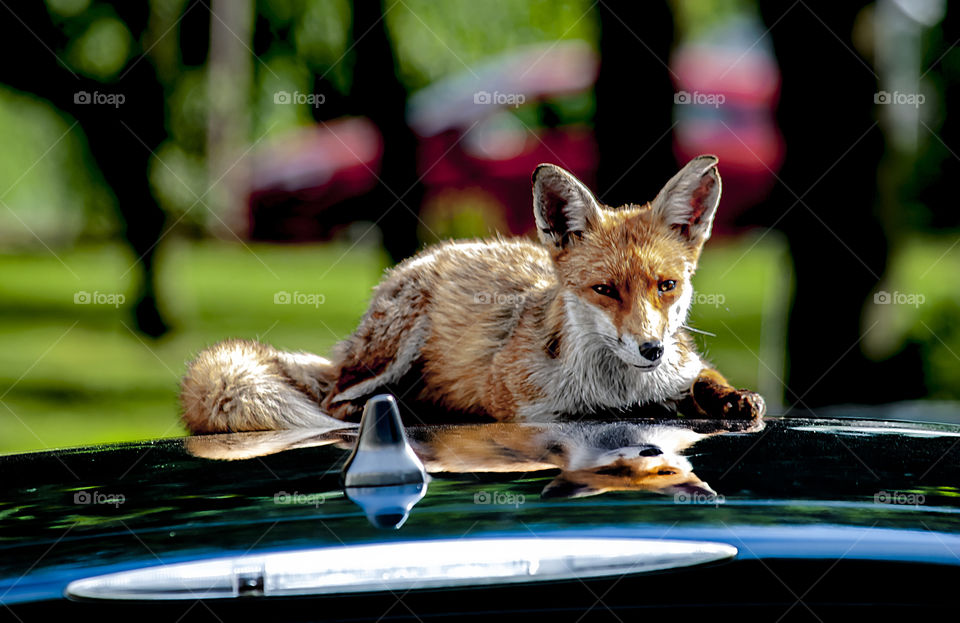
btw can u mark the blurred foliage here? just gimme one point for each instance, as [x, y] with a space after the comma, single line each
[102, 50]
[696, 17]
[926, 265]
[437, 39]
[456, 214]
[49, 191]
[321, 37]
[67, 8]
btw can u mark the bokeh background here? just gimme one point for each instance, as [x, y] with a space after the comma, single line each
[173, 173]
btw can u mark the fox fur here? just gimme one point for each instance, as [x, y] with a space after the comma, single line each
[589, 320]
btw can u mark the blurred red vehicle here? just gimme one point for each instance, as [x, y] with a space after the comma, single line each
[472, 140]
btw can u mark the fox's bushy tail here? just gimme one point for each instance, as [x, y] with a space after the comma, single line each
[242, 385]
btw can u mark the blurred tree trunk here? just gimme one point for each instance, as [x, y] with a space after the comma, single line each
[229, 80]
[377, 93]
[634, 101]
[838, 245]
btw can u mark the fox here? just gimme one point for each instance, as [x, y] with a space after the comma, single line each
[589, 320]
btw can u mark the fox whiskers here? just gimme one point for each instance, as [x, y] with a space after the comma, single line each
[700, 331]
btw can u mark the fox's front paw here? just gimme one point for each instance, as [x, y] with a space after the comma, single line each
[742, 404]
[715, 401]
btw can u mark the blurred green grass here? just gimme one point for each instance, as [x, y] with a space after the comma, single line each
[78, 374]
[74, 374]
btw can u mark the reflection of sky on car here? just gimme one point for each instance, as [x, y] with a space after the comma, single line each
[876, 430]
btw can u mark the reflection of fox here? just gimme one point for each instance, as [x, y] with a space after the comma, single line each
[589, 320]
[592, 457]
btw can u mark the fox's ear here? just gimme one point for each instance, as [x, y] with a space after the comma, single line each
[562, 206]
[689, 200]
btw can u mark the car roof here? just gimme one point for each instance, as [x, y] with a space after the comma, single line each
[791, 487]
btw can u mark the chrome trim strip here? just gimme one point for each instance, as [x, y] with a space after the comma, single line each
[401, 566]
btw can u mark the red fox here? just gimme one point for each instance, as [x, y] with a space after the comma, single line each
[588, 321]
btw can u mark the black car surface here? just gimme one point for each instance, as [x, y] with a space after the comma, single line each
[794, 517]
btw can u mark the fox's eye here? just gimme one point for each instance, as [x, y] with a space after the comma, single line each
[605, 290]
[666, 472]
[666, 285]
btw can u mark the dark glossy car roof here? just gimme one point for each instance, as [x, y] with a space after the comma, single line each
[799, 487]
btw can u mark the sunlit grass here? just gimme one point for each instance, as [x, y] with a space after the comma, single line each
[76, 374]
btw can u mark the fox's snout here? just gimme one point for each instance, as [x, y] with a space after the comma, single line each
[652, 351]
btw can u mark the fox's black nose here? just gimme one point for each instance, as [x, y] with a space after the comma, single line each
[652, 350]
